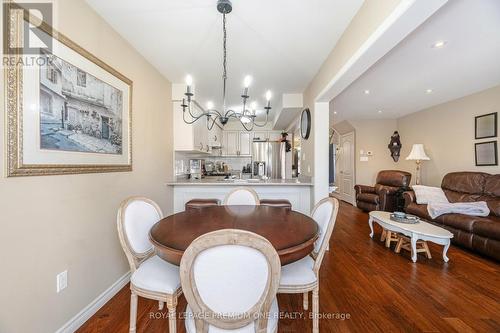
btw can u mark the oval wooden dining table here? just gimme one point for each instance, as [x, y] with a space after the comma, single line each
[291, 233]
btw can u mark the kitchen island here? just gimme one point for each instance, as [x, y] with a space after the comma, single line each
[298, 192]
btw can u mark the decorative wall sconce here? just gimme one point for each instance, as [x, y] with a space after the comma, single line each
[395, 146]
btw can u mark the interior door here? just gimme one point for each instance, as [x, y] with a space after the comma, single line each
[346, 168]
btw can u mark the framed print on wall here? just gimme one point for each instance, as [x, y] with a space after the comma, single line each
[486, 153]
[67, 112]
[486, 126]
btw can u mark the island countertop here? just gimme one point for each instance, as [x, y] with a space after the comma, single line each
[238, 182]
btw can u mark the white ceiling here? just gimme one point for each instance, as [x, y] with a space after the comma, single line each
[281, 43]
[469, 62]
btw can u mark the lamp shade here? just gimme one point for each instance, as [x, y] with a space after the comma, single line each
[418, 153]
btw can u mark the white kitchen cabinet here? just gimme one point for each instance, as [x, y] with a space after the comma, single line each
[230, 143]
[215, 137]
[189, 137]
[245, 143]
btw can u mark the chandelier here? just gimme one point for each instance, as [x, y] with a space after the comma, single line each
[247, 117]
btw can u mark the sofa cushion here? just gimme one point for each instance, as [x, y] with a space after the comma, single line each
[368, 197]
[487, 227]
[492, 186]
[458, 221]
[395, 178]
[465, 182]
[454, 196]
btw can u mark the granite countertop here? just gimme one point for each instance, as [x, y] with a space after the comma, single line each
[237, 182]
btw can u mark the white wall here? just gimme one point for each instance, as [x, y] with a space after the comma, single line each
[374, 135]
[56, 223]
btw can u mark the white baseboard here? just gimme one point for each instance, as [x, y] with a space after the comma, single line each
[74, 323]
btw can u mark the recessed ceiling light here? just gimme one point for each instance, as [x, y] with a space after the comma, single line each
[439, 44]
[367, 92]
[334, 112]
[379, 111]
[428, 91]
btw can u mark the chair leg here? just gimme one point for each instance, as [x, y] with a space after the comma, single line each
[398, 245]
[388, 236]
[305, 301]
[383, 235]
[427, 251]
[172, 316]
[133, 312]
[160, 305]
[315, 309]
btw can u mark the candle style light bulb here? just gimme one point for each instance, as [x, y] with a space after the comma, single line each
[268, 97]
[247, 81]
[189, 80]
[253, 106]
[210, 105]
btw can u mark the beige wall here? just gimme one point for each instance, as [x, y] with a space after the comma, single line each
[371, 14]
[50, 224]
[447, 131]
[374, 135]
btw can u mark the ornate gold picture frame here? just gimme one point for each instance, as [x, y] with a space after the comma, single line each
[68, 114]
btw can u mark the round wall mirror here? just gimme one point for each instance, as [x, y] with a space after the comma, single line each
[305, 123]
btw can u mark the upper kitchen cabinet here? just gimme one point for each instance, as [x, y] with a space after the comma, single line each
[230, 143]
[236, 143]
[245, 143]
[188, 137]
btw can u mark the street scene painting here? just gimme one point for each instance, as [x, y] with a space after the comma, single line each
[78, 112]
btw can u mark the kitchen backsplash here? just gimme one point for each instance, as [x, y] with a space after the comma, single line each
[182, 161]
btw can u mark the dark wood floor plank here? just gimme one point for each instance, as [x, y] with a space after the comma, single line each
[380, 290]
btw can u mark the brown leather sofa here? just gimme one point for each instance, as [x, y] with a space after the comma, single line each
[480, 234]
[383, 195]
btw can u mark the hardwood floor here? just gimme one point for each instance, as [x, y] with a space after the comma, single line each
[376, 288]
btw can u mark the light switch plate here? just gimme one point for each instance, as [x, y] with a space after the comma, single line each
[61, 281]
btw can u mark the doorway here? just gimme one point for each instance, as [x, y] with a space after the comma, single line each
[346, 165]
[105, 128]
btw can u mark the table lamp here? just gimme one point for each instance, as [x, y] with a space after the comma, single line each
[418, 154]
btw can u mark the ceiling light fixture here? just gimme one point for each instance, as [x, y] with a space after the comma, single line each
[245, 116]
[428, 91]
[379, 111]
[439, 44]
[367, 92]
[334, 112]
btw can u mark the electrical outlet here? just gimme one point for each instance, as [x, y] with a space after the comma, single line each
[61, 281]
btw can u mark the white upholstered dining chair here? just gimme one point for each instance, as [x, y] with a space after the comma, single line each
[152, 277]
[229, 278]
[302, 276]
[242, 196]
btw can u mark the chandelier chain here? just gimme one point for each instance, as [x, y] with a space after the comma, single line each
[224, 62]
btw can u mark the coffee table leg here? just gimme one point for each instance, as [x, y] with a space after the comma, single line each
[370, 223]
[445, 250]
[413, 248]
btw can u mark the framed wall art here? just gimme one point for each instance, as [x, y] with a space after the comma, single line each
[486, 126]
[67, 112]
[486, 153]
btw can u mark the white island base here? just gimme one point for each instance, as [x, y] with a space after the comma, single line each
[298, 193]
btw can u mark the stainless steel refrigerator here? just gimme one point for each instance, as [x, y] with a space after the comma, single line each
[269, 160]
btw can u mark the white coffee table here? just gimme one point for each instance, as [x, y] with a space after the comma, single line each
[418, 231]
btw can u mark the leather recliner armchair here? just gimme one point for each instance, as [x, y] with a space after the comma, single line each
[382, 196]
